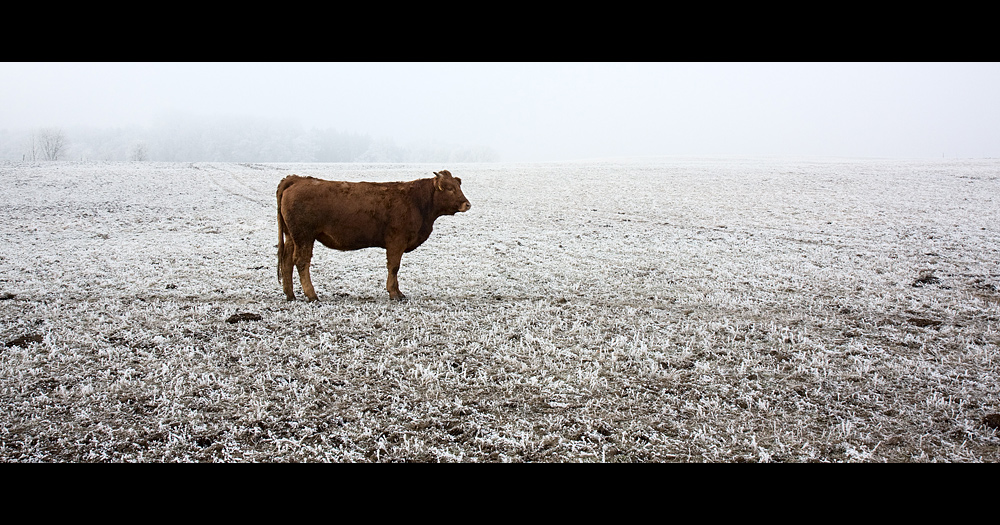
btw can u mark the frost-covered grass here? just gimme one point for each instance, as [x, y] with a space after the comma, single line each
[651, 310]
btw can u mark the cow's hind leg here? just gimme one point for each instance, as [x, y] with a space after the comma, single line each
[302, 256]
[287, 261]
[393, 257]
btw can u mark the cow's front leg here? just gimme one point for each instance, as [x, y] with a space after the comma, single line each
[393, 257]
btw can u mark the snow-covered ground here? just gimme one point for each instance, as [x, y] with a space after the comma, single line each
[669, 309]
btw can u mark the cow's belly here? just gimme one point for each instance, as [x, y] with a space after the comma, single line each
[348, 239]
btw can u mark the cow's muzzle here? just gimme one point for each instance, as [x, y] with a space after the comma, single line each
[465, 206]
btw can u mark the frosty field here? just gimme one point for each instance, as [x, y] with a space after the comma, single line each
[653, 310]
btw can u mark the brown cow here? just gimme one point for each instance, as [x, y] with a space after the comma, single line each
[397, 216]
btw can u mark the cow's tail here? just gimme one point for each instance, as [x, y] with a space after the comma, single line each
[282, 227]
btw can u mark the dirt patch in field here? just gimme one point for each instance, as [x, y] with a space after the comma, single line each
[25, 340]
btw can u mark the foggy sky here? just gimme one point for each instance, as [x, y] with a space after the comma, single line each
[550, 111]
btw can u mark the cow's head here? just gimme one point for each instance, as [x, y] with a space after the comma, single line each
[448, 196]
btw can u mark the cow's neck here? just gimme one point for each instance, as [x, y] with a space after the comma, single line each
[425, 191]
[423, 197]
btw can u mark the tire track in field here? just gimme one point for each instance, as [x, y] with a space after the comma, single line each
[245, 192]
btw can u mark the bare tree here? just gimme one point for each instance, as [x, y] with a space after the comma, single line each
[138, 151]
[51, 142]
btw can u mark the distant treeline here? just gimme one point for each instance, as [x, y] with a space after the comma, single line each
[225, 139]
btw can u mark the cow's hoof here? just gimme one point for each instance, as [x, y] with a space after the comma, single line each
[399, 297]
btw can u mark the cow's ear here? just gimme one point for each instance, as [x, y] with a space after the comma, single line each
[459, 179]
